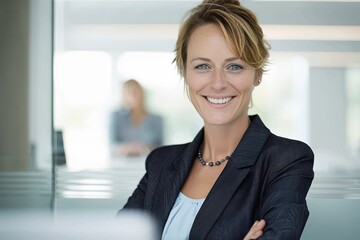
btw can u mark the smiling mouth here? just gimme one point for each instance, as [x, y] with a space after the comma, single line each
[219, 100]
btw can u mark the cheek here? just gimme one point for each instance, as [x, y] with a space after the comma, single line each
[243, 83]
[244, 87]
[197, 80]
[193, 83]
[193, 88]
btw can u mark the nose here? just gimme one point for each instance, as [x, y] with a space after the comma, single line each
[219, 81]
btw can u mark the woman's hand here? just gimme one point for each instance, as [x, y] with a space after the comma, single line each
[256, 230]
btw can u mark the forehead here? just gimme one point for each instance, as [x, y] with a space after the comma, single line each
[130, 88]
[208, 40]
[206, 31]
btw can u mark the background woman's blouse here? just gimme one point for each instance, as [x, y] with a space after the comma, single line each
[181, 218]
[149, 131]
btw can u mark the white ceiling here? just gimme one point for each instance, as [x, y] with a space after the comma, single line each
[290, 26]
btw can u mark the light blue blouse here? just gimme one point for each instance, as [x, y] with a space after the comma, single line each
[181, 218]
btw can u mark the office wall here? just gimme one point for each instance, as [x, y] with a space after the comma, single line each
[25, 104]
[25, 90]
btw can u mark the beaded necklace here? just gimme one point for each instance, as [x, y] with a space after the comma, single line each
[210, 164]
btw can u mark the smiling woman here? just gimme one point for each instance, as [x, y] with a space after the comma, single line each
[236, 180]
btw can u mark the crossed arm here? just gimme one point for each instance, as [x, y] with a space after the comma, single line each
[283, 203]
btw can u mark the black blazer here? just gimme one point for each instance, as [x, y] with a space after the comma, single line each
[267, 177]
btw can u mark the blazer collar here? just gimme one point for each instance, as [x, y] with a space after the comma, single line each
[174, 178]
[230, 179]
[244, 155]
[248, 149]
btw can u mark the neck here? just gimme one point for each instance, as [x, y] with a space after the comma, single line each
[221, 141]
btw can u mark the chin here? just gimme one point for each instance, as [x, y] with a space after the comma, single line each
[217, 121]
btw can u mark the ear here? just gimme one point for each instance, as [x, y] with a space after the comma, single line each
[257, 79]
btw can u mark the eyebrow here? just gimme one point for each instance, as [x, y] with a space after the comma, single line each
[208, 60]
[202, 59]
[232, 59]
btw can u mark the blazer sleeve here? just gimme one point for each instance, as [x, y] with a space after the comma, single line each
[283, 204]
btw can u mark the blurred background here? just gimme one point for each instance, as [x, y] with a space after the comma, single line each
[64, 63]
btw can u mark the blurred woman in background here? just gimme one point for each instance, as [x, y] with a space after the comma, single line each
[134, 131]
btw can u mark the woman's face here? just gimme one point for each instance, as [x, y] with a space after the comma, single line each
[220, 84]
[131, 97]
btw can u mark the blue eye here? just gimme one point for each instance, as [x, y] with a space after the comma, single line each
[202, 67]
[235, 67]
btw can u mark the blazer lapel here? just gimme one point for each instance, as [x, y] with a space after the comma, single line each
[232, 176]
[173, 179]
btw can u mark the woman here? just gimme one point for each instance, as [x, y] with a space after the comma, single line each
[235, 172]
[134, 131]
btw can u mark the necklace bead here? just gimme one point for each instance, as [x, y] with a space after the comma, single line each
[210, 164]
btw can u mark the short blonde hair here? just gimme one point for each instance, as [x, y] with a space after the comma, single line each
[239, 26]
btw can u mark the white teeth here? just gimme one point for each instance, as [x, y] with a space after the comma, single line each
[219, 100]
